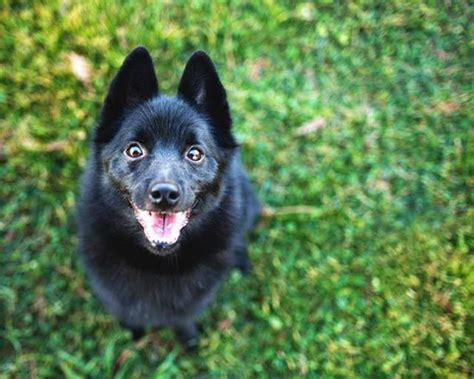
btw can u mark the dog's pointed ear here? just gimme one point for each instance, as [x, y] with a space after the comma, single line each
[134, 83]
[201, 88]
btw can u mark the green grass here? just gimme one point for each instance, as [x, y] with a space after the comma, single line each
[373, 277]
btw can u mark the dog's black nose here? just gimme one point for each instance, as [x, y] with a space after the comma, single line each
[164, 193]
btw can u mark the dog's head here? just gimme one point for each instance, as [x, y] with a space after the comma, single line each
[165, 156]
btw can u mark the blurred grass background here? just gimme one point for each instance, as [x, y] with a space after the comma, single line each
[359, 113]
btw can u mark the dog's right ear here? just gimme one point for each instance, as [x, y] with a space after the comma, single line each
[134, 83]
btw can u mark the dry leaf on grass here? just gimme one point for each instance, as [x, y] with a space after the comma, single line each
[256, 68]
[122, 358]
[311, 126]
[225, 325]
[447, 107]
[59, 145]
[80, 67]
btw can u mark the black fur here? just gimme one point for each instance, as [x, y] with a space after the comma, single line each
[140, 284]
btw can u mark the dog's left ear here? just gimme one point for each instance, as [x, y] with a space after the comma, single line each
[201, 87]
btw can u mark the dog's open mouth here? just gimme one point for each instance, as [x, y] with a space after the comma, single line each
[162, 228]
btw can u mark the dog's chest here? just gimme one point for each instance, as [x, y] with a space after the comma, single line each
[143, 298]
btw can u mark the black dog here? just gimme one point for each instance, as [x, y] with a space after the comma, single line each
[165, 203]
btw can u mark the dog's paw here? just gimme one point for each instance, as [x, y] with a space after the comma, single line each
[188, 336]
[244, 266]
[137, 333]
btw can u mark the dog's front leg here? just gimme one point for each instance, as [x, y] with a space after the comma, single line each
[188, 335]
[137, 333]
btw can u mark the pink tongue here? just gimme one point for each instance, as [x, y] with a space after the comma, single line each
[162, 227]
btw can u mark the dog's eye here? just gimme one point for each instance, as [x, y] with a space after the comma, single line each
[134, 150]
[195, 154]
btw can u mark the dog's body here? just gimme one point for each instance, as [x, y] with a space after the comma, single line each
[165, 203]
